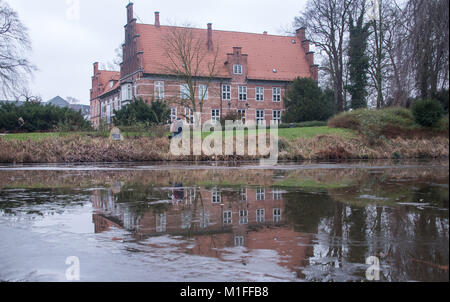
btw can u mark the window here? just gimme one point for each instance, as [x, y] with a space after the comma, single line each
[226, 92]
[185, 92]
[276, 92]
[216, 196]
[276, 215]
[239, 241]
[277, 195]
[227, 217]
[126, 93]
[260, 215]
[191, 195]
[276, 117]
[186, 220]
[215, 115]
[243, 195]
[243, 115]
[260, 117]
[189, 115]
[111, 84]
[243, 217]
[203, 92]
[260, 194]
[237, 69]
[159, 90]
[204, 220]
[260, 94]
[161, 223]
[173, 114]
[242, 93]
[116, 103]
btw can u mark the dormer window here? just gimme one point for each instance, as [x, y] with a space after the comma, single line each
[111, 84]
[237, 69]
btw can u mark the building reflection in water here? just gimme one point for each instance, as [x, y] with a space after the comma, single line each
[215, 218]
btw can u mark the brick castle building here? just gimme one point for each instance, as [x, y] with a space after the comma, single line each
[253, 73]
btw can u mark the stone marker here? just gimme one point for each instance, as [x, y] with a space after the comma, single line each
[116, 135]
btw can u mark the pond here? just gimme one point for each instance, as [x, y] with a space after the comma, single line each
[355, 221]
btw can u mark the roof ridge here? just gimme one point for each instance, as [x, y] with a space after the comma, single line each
[221, 30]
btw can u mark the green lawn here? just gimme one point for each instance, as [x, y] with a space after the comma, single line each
[287, 133]
[305, 132]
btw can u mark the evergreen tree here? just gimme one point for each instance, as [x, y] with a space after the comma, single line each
[358, 63]
[305, 102]
[139, 112]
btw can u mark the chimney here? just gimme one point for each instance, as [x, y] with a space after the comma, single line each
[95, 68]
[265, 33]
[130, 13]
[210, 39]
[301, 34]
[157, 24]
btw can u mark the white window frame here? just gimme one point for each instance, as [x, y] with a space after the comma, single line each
[276, 94]
[260, 194]
[261, 215]
[185, 93]
[215, 115]
[242, 93]
[260, 120]
[216, 196]
[227, 217]
[226, 92]
[243, 114]
[237, 69]
[239, 241]
[203, 92]
[277, 195]
[204, 219]
[243, 216]
[243, 193]
[277, 215]
[159, 90]
[126, 92]
[189, 116]
[276, 116]
[161, 223]
[259, 94]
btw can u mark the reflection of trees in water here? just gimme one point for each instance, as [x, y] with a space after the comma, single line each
[411, 242]
[39, 201]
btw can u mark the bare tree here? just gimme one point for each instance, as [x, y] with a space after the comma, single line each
[27, 96]
[15, 68]
[114, 65]
[429, 42]
[193, 62]
[396, 69]
[326, 22]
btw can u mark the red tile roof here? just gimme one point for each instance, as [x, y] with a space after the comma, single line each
[265, 52]
[105, 77]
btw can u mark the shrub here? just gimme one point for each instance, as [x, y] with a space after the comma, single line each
[230, 116]
[427, 113]
[443, 97]
[32, 117]
[139, 112]
[305, 101]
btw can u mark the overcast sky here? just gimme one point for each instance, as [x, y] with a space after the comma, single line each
[66, 44]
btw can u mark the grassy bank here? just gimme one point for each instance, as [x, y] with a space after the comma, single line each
[387, 123]
[314, 143]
